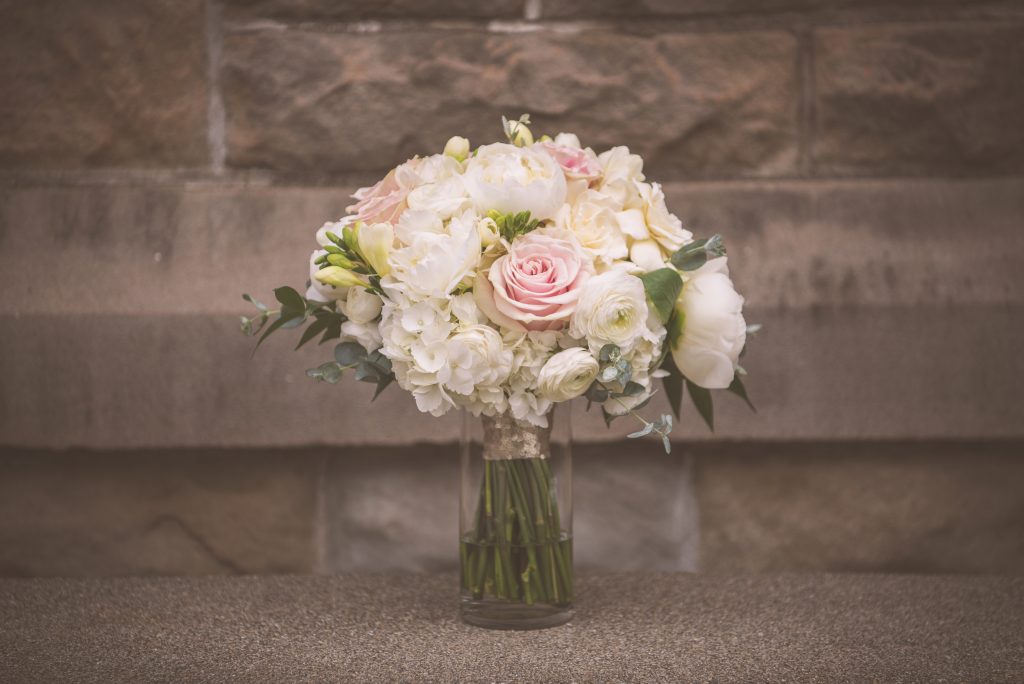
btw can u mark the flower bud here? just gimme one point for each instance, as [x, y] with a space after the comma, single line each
[457, 147]
[339, 260]
[488, 230]
[362, 306]
[375, 243]
[338, 277]
[521, 135]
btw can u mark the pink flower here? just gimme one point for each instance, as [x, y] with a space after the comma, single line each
[577, 164]
[535, 286]
[385, 201]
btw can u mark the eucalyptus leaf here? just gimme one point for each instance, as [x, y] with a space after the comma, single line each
[349, 353]
[647, 429]
[663, 287]
[694, 255]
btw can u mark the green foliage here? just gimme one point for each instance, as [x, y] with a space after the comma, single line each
[694, 255]
[510, 226]
[737, 388]
[663, 287]
[701, 398]
[673, 383]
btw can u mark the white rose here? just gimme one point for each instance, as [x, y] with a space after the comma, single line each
[612, 309]
[567, 374]
[591, 218]
[433, 264]
[714, 331]
[511, 179]
[362, 306]
[620, 173]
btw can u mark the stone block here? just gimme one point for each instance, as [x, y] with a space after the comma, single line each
[904, 507]
[937, 99]
[313, 104]
[164, 513]
[360, 10]
[112, 84]
[718, 9]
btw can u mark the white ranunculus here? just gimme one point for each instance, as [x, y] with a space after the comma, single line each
[612, 309]
[567, 374]
[433, 264]
[361, 306]
[714, 331]
[476, 357]
[620, 173]
[591, 218]
[511, 179]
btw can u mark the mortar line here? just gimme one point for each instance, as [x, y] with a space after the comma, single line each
[216, 117]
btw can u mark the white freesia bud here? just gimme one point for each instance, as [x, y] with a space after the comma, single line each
[612, 309]
[362, 306]
[567, 374]
[521, 135]
[488, 231]
[338, 277]
[714, 331]
[457, 147]
[375, 243]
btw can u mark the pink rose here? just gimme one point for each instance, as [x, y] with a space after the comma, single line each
[577, 164]
[385, 201]
[535, 286]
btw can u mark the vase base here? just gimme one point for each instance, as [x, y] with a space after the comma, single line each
[515, 616]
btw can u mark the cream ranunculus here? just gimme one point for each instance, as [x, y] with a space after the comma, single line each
[612, 309]
[713, 329]
[567, 374]
[361, 306]
[512, 179]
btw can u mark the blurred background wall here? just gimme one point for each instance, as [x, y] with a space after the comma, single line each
[865, 160]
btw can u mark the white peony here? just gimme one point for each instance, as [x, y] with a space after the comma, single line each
[567, 374]
[591, 218]
[361, 306]
[433, 264]
[511, 179]
[612, 309]
[714, 331]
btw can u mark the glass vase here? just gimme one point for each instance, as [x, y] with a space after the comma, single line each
[515, 522]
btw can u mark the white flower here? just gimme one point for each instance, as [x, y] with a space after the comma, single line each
[375, 243]
[528, 407]
[476, 357]
[647, 255]
[651, 220]
[361, 306]
[318, 291]
[567, 374]
[433, 264]
[591, 218]
[445, 198]
[511, 179]
[457, 148]
[620, 406]
[366, 334]
[714, 331]
[612, 309]
[621, 172]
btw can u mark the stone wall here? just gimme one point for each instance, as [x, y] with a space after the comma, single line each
[865, 160]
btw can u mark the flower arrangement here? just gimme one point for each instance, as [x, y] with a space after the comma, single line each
[509, 278]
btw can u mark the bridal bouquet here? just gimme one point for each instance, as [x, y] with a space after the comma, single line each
[506, 279]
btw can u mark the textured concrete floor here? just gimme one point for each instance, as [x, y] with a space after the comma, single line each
[668, 627]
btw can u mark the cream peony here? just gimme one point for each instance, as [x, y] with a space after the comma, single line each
[714, 331]
[591, 218]
[512, 179]
[535, 285]
[612, 309]
[433, 264]
[567, 374]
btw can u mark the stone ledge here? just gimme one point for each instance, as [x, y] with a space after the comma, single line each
[637, 627]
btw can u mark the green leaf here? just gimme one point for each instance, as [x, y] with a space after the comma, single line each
[694, 255]
[737, 388]
[281, 321]
[349, 353]
[701, 398]
[382, 385]
[290, 299]
[596, 393]
[673, 383]
[312, 331]
[663, 287]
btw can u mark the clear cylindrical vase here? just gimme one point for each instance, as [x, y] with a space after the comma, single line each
[515, 522]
